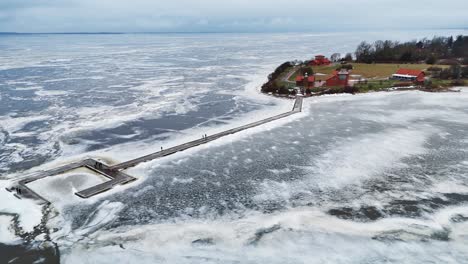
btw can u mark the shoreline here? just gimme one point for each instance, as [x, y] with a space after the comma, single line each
[391, 89]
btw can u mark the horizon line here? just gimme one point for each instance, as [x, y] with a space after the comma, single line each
[209, 32]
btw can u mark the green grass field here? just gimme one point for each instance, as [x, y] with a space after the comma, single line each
[378, 70]
[375, 85]
[279, 80]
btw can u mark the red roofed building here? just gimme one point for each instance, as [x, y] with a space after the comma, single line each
[307, 82]
[320, 60]
[340, 78]
[299, 80]
[310, 82]
[409, 75]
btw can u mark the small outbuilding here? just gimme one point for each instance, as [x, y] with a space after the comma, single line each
[339, 78]
[299, 80]
[409, 75]
[307, 81]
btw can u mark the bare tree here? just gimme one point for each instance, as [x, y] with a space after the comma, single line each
[335, 57]
[365, 52]
[348, 57]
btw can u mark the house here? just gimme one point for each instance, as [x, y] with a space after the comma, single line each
[307, 81]
[339, 78]
[409, 75]
[310, 82]
[319, 61]
[299, 80]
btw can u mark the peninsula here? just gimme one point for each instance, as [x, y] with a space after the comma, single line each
[429, 64]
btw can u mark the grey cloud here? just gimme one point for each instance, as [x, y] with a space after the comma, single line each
[234, 15]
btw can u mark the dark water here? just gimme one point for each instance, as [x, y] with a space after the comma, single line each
[25, 254]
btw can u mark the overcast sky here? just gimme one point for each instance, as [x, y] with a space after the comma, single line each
[228, 15]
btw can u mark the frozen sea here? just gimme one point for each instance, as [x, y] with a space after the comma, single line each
[370, 178]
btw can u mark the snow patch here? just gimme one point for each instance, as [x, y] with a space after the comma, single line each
[7, 234]
[30, 213]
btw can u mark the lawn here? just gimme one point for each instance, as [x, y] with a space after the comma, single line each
[379, 70]
[384, 70]
[375, 85]
[279, 80]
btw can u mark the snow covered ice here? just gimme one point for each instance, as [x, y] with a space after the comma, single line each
[378, 177]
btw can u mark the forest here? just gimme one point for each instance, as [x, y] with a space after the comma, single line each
[438, 50]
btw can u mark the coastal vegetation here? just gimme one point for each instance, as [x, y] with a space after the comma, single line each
[275, 83]
[443, 60]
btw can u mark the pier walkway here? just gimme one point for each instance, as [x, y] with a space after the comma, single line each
[114, 173]
[131, 163]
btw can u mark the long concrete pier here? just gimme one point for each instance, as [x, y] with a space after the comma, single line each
[131, 163]
[114, 173]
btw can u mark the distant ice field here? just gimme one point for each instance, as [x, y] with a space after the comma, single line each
[377, 177]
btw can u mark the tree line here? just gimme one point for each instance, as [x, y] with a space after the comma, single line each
[454, 72]
[453, 50]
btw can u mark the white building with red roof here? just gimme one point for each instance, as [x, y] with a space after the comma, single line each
[409, 75]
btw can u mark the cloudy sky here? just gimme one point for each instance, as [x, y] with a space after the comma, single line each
[228, 15]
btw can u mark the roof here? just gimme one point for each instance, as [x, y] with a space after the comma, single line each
[343, 71]
[409, 72]
[299, 78]
[311, 79]
[332, 77]
[404, 75]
